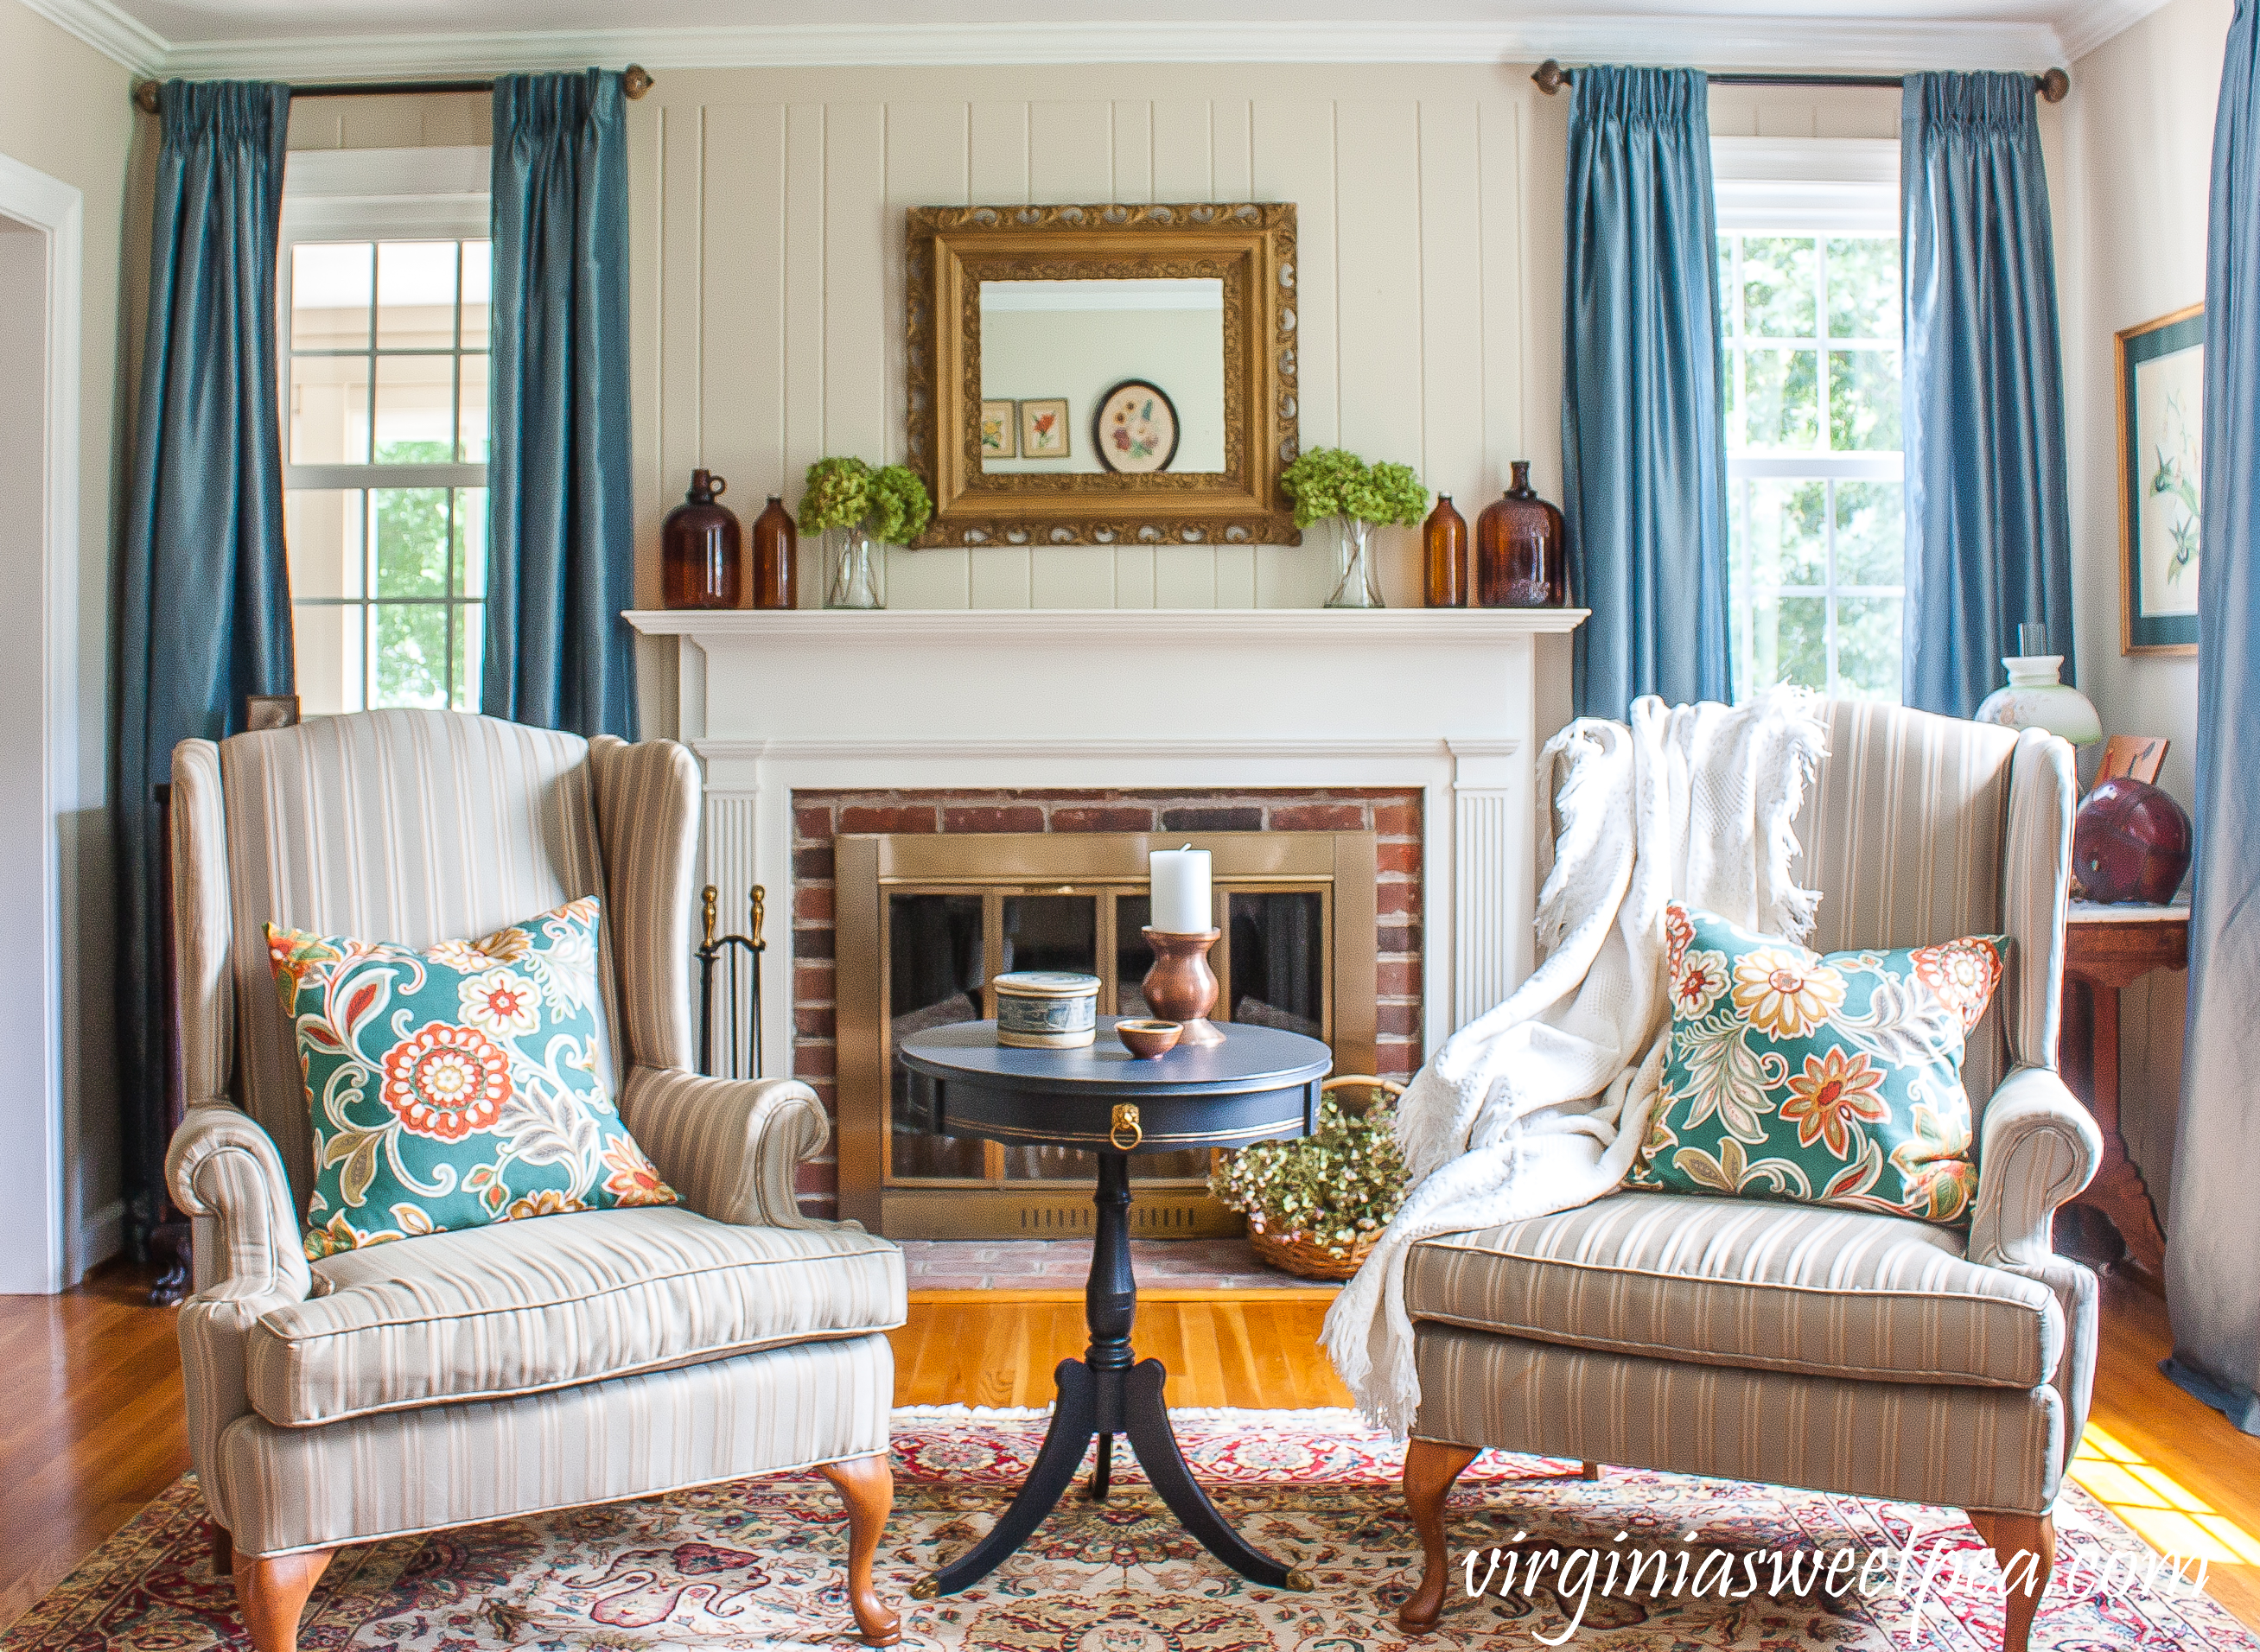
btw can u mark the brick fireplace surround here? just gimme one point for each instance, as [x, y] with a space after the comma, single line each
[1392, 815]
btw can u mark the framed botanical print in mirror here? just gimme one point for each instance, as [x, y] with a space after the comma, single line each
[1103, 375]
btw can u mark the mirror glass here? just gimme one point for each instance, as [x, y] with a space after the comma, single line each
[1096, 375]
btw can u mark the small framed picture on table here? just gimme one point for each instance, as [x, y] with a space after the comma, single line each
[2161, 482]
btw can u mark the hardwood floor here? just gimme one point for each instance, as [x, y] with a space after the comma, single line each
[93, 1426]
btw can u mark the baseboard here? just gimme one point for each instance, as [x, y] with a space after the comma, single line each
[101, 1236]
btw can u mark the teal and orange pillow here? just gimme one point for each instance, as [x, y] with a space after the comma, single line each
[1832, 1080]
[456, 1086]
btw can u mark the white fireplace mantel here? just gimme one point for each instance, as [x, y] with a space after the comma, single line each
[1455, 702]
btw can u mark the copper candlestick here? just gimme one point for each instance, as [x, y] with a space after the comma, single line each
[1181, 987]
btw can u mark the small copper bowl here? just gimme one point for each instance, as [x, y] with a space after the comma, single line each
[1148, 1038]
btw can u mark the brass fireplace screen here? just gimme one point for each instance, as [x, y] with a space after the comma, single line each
[923, 924]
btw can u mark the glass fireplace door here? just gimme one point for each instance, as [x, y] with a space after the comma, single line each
[940, 943]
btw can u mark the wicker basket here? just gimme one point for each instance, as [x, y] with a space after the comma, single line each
[1300, 1254]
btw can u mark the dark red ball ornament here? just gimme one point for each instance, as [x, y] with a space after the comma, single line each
[2130, 841]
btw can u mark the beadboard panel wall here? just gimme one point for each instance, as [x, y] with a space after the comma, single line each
[769, 282]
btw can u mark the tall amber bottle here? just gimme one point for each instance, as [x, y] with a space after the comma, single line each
[1445, 541]
[776, 558]
[1522, 560]
[702, 551]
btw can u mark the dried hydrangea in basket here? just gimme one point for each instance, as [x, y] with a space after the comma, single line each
[1316, 1206]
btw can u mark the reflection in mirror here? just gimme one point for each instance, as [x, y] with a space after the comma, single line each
[1074, 341]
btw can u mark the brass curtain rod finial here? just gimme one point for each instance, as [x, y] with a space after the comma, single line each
[1550, 76]
[635, 81]
[145, 96]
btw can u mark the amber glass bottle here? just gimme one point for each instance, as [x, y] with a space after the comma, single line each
[1445, 541]
[1521, 561]
[701, 552]
[775, 558]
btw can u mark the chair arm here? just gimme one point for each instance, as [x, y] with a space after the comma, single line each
[729, 1145]
[222, 1165]
[2037, 1147]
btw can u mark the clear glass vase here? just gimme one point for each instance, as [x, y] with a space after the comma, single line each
[858, 570]
[1359, 586]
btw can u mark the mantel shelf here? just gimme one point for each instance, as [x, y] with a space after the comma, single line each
[1121, 625]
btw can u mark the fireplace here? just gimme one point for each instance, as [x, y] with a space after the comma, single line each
[922, 922]
[1420, 725]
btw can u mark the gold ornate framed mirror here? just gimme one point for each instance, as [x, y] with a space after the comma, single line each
[1103, 375]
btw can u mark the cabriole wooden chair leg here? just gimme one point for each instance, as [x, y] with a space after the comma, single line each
[1430, 1468]
[867, 1486]
[2025, 1546]
[222, 1551]
[271, 1590]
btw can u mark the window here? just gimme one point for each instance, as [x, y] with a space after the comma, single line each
[1809, 303]
[385, 303]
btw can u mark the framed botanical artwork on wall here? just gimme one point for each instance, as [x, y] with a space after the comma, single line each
[1000, 431]
[1043, 428]
[1135, 428]
[2161, 482]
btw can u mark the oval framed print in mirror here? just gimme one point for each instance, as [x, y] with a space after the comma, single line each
[1135, 428]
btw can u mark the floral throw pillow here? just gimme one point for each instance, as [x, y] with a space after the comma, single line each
[456, 1086]
[1824, 1080]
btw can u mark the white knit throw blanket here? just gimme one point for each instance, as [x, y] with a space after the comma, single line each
[1538, 1104]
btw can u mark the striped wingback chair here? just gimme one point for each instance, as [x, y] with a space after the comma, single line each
[1797, 1345]
[530, 1365]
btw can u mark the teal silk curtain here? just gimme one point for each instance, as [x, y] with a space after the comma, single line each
[2212, 1284]
[1988, 521]
[204, 589]
[562, 560]
[1643, 435]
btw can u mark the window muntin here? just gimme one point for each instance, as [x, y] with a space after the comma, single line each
[1810, 326]
[386, 442]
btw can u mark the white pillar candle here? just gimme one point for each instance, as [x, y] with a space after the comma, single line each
[1181, 898]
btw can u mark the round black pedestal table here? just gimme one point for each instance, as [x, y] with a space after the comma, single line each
[1258, 1085]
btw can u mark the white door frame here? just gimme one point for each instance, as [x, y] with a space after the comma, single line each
[40, 1236]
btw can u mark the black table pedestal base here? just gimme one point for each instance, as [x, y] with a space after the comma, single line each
[1103, 1394]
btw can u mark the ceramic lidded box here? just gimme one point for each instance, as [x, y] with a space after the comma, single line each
[1046, 1009]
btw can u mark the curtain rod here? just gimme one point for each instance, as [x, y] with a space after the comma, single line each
[1552, 77]
[634, 81]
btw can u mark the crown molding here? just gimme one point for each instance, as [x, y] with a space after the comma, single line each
[1715, 42]
[2087, 26]
[101, 25]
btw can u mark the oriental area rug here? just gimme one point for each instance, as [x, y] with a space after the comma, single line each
[754, 1564]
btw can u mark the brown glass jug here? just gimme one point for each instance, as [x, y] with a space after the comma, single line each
[1444, 541]
[1520, 560]
[776, 557]
[701, 552]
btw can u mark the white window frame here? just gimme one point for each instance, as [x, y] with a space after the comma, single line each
[1815, 187]
[376, 195]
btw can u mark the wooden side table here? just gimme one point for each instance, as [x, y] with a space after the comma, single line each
[2107, 949]
[1257, 1085]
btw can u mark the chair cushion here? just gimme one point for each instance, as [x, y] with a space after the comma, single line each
[1825, 1081]
[1746, 1283]
[521, 1307]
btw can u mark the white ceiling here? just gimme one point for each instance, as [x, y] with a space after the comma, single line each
[339, 38]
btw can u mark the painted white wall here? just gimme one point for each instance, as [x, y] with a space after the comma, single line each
[31, 1223]
[67, 116]
[2131, 248]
